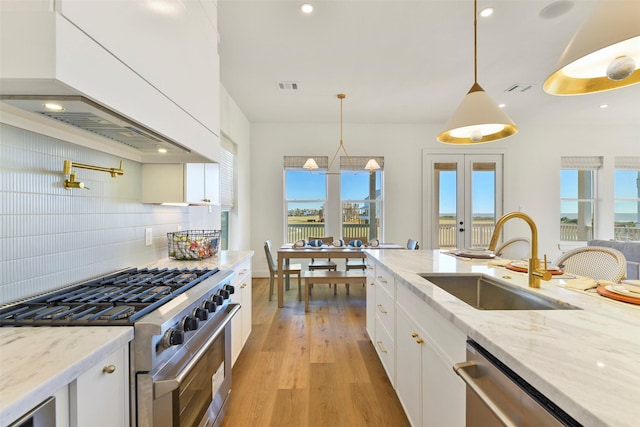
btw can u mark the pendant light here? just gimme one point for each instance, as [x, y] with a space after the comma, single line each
[604, 54]
[477, 119]
[311, 164]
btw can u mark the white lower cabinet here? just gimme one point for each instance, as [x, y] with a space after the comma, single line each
[427, 346]
[100, 396]
[241, 322]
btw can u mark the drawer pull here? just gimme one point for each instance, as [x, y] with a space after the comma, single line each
[381, 309]
[382, 279]
[372, 283]
[382, 349]
[109, 369]
[417, 337]
[244, 271]
[244, 285]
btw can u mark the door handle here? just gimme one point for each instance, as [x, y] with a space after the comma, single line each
[468, 371]
[461, 230]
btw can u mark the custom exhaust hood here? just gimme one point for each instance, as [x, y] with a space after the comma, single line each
[83, 113]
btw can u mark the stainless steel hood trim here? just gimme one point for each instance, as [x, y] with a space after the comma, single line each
[83, 113]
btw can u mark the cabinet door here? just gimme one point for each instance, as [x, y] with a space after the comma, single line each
[371, 303]
[241, 322]
[194, 183]
[408, 367]
[443, 399]
[100, 396]
[212, 183]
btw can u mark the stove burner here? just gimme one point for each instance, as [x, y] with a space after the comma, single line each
[120, 298]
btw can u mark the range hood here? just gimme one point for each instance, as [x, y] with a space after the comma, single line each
[85, 114]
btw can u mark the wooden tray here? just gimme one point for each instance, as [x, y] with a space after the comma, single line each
[524, 270]
[605, 293]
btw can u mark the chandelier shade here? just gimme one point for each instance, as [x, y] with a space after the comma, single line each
[604, 53]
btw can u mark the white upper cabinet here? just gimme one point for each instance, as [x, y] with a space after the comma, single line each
[192, 183]
[156, 67]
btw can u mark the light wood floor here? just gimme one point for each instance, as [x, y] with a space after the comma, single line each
[318, 369]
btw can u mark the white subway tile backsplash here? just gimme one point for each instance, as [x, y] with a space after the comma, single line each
[52, 237]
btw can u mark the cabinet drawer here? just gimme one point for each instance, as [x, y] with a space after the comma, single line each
[386, 280]
[447, 339]
[385, 309]
[242, 271]
[386, 351]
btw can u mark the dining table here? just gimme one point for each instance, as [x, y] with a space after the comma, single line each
[288, 251]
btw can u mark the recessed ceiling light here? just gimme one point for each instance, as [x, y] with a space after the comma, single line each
[502, 105]
[53, 107]
[162, 150]
[306, 8]
[603, 106]
[486, 12]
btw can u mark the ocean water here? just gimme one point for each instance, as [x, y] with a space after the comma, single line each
[620, 217]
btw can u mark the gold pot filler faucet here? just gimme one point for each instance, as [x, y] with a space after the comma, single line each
[535, 273]
[72, 183]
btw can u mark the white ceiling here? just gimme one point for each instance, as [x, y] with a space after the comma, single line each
[403, 61]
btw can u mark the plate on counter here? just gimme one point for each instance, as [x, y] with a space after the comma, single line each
[474, 253]
[523, 267]
[621, 290]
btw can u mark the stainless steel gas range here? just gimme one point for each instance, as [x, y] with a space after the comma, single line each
[181, 352]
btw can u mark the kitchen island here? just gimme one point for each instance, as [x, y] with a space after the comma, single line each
[585, 361]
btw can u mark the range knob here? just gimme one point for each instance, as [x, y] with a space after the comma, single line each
[229, 288]
[189, 323]
[224, 293]
[218, 299]
[209, 305]
[172, 337]
[200, 313]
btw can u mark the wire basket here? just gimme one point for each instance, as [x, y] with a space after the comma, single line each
[193, 244]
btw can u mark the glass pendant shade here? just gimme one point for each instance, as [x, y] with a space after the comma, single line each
[604, 54]
[477, 120]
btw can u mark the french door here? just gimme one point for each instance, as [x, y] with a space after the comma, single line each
[465, 199]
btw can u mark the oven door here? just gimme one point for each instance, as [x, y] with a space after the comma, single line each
[192, 388]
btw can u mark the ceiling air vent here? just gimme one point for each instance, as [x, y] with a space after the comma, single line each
[288, 86]
[519, 87]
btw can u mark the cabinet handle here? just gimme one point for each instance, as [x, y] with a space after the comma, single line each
[206, 200]
[372, 283]
[244, 285]
[418, 339]
[109, 369]
[382, 279]
[382, 349]
[381, 309]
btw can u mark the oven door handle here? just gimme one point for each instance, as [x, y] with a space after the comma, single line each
[162, 387]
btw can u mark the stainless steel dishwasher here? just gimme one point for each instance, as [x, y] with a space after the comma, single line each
[497, 396]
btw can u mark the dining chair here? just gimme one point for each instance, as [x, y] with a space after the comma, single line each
[322, 264]
[596, 262]
[292, 269]
[355, 263]
[517, 248]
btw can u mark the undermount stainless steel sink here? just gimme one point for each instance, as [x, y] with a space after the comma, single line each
[485, 293]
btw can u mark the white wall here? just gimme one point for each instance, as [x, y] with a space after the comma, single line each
[531, 172]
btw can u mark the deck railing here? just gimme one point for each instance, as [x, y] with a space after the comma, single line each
[481, 233]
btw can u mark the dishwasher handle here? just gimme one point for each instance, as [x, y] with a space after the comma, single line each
[468, 371]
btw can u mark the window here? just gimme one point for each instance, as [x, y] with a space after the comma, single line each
[227, 194]
[626, 201]
[360, 199]
[578, 197]
[305, 198]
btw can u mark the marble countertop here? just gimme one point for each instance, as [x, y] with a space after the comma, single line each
[224, 260]
[37, 362]
[586, 361]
